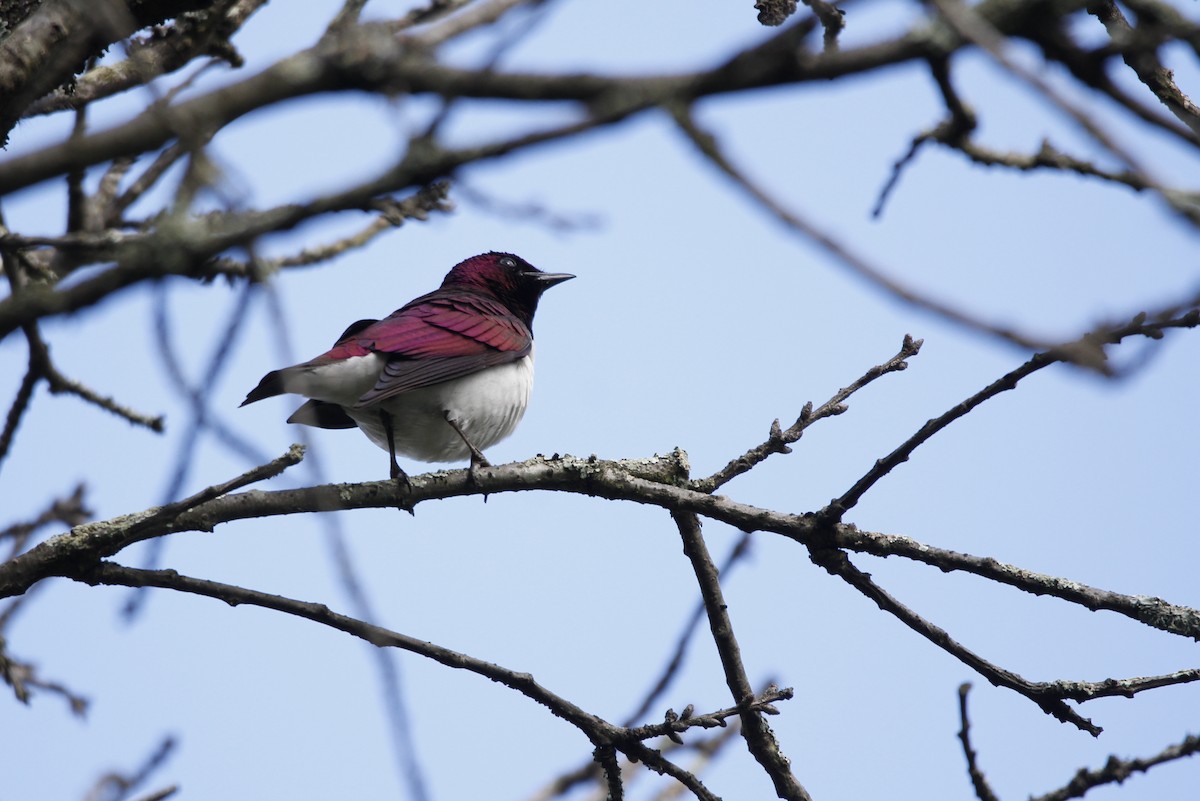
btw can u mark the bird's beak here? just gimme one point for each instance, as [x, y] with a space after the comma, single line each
[548, 280]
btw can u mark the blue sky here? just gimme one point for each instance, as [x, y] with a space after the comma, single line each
[694, 321]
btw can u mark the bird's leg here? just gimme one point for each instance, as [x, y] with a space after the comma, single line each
[385, 418]
[398, 475]
[477, 458]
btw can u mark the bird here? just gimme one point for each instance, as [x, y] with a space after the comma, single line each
[439, 379]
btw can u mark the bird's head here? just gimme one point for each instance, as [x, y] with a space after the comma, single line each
[508, 278]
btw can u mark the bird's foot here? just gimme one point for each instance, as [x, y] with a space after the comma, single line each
[398, 475]
[404, 485]
[478, 462]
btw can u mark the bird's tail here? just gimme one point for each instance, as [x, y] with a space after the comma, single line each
[270, 386]
[322, 414]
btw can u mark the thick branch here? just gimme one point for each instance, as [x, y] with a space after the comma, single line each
[159, 53]
[53, 42]
[650, 481]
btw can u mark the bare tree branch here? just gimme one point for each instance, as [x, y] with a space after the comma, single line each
[160, 53]
[24, 677]
[1088, 350]
[589, 771]
[759, 737]
[115, 786]
[599, 731]
[778, 441]
[393, 213]
[1117, 770]
[368, 57]
[671, 669]
[42, 368]
[69, 510]
[651, 481]
[1144, 61]
[56, 39]
[856, 263]
[838, 564]
[983, 790]
[975, 28]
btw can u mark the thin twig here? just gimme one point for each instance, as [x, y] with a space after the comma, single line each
[675, 724]
[476, 15]
[588, 771]
[973, 27]
[59, 383]
[707, 751]
[393, 214]
[166, 159]
[163, 515]
[1087, 348]
[778, 441]
[528, 212]
[121, 785]
[671, 670]
[1182, 621]
[161, 795]
[599, 731]
[431, 12]
[606, 757]
[201, 419]
[955, 133]
[983, 790]
[760, 740]
[1116, 770]
[954, 129]
[346, 16]
[833, 22]
[16, 411]
[69, 511]
[838, 564]
[1123, 688]
[42, 368]
[1145, 63]
[856, 263]
[22, 677]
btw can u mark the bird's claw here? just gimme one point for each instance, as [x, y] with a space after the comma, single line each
[478, 462]
[404, 485]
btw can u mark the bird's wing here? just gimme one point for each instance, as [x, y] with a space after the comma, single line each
[435, 338]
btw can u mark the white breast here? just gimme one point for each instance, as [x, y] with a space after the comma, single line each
[487, 406]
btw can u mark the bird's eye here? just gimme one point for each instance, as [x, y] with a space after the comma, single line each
[507, 262]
